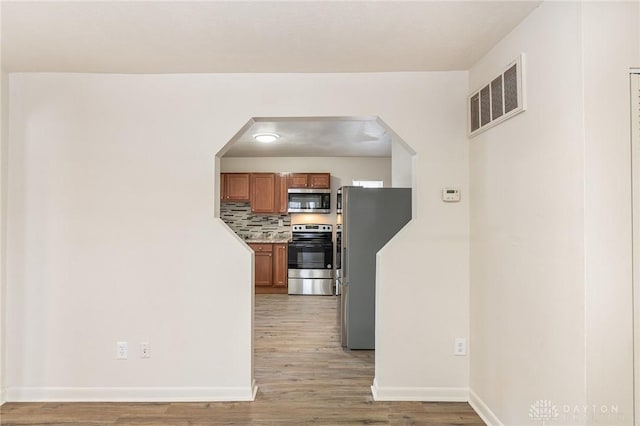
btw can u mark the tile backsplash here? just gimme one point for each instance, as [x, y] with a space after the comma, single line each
[247, 225]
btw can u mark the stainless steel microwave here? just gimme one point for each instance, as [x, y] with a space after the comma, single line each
[309, 200]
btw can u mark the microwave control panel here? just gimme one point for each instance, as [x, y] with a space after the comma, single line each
[450, 195]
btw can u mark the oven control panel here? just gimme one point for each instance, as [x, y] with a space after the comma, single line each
[312, 228]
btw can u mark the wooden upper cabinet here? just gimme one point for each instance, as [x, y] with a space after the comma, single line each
[310, 180]
[267, 192]
[263, 192]
[281, 196]
[223, 191]
[320, 180]
[298, 180]
[235, 187]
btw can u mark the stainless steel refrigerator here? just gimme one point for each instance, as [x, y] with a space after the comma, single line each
[370, 218]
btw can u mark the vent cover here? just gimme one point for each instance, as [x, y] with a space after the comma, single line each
[498, 100]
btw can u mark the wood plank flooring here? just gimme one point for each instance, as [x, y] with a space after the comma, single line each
[304, 378]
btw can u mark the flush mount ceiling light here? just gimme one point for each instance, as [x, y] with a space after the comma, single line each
[266, 137]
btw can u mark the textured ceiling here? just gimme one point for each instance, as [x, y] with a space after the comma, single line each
[314, 137]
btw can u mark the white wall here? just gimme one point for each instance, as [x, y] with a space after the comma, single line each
[527, 248]
[610, 47]
[423, 275]
[550, 228]
[635, 167]
[4, 122]
[402, 166]
[4, 137]
[112, 234]
[111, 237]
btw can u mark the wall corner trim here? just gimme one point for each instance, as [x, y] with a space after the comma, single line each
[483, 410]
[426, 394]
[131, 394]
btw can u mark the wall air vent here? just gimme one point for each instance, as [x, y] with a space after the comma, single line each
[499, 99]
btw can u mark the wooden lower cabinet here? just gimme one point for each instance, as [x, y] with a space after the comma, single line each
[263, 264]
[270, 267]
[280, 265]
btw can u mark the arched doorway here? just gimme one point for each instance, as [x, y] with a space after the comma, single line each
[349, 148]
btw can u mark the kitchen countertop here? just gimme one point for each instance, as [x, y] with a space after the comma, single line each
[265, 237]
[267, 241]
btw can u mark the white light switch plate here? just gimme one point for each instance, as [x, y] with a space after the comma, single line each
[460, 347]
[121, 350]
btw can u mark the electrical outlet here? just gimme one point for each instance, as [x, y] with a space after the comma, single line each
[145, 350]
[122, 350]
[460, 347]
[280, 222]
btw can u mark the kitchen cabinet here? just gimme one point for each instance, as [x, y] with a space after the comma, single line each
[282, 199]
[298, 180]
[320, 180]
[270, 267]
[263, 264]
[280, 265]
[263, 192]
[235, 187]
[310, 180]
[269, 193]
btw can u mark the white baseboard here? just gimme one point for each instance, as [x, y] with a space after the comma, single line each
[131, 394]
[483, 410]
[419, 394]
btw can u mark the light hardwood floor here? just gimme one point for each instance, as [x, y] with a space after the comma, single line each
[303, 374]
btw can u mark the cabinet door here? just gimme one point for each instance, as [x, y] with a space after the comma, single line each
[237, 187]
[298, 180]
[320, 180]
[281, 196]
[279, 265]
[263, 187]
[263, 264]
[223, 186]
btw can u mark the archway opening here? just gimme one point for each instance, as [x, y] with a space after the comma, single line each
[295, 335]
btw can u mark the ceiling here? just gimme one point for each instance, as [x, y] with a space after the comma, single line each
[259, 36]
[252, 36]
[313, 137]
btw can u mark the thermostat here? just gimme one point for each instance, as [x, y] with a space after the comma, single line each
[450, 195]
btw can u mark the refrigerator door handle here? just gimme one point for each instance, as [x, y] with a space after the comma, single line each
[345, 270]
[344, 321]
